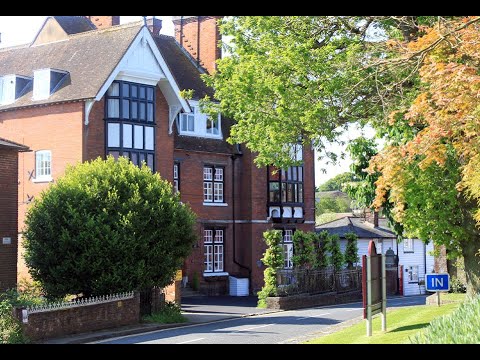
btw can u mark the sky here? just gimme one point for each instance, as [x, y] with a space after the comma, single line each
[17, 30]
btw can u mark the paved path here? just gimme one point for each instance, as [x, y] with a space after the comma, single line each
[267, 328]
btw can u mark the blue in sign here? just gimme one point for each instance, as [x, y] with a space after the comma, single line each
[437, 282]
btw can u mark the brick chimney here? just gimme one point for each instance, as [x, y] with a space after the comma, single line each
[103, 22]
[371, 217]
[154, 25]
[200, 36]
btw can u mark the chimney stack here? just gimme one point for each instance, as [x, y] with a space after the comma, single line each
[200, 36]
[372, 217]
[154, 25]
[103, 22]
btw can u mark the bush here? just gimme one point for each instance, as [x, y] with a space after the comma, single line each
[351, 250]
[10, 328]
[456, 286]
[460, 327]
[273, 260]
[107, 227]
[336, 259]
[171, 313]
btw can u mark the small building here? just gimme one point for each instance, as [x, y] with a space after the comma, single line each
[8, 212]
[411, 259]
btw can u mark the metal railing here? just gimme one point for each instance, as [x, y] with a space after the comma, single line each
[294, 282]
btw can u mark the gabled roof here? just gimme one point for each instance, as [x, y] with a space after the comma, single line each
[357, 225]
[4, 143]
[89, 58]
[182, 67]
[74, 24]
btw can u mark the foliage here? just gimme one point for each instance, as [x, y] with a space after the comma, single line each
[304, 245]
[10, 328]
[332, 205]
[457, 286]
[336, 183]
[107, 227]
[306, 77]
[195, 281]
[321, 259]
[325, 218]
[336, 259]
[351, 250]
[460, 327]
[171, 313]
[273, 260]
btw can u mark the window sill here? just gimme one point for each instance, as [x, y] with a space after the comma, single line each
[42, 180]
[413, 282]
[215, 204]
[409, 252]
[198, 135]
[212, 274]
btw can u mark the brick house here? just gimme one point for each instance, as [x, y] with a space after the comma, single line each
[9, 212]
[88, 87]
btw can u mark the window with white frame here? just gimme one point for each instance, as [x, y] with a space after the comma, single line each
[413, 274]
[176, 176]
[287, 246]
[196, 123]
[408, 245]
[213, 184]
[187, 121]
[43, 165]
[213, 243]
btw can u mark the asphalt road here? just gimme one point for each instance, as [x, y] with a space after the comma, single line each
[273, 328]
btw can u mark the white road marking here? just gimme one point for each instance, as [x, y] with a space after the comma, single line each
[313, 316]
[253, 328]
[353, 309]
[189, 341]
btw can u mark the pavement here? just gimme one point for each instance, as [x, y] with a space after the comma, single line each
[197, 309]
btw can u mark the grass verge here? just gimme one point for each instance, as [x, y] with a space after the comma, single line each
[401, 324]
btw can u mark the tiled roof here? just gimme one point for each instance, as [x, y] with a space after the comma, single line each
[358, 226]
[88, 57]
[74, 24]
[182, 66]
[4, 143]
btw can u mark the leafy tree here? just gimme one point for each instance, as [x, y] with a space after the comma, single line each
[332, 205]
[304, 245]
[273, 260]
[336, 259]
[107, 227]
[351, 250]
[321, 261]
[433, 176]
[304, 77]
[336, 183]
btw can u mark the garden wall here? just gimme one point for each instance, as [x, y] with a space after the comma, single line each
[306, 300]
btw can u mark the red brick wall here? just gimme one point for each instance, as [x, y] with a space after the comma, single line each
[8, 217]
[62, 322]
[208, 52]
[94, 133]
[102, 22]
[57, 128]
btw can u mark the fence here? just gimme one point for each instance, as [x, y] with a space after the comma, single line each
[295, 282]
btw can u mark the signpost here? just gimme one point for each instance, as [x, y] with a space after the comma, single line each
[374, 287]
[437, 283]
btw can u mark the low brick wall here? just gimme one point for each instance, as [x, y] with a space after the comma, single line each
[305, 301]
[78, 319]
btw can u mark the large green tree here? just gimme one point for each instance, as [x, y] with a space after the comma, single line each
[337, 182]
[107, 227]
[414, 78]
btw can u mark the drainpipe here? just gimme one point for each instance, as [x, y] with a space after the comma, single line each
[181, 31]
[234, 157]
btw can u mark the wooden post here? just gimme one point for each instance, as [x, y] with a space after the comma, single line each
[384, 294]
[369, 296]
[438, 298]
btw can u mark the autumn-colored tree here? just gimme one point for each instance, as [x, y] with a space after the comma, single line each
[433, 178]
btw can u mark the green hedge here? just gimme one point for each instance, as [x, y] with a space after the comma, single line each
[460, 327]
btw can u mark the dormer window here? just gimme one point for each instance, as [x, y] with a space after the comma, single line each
[198, 124]
[13, 87]
[46, 82]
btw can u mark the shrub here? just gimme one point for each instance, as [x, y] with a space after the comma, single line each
[457, 286]
[171, 313]
[195, 281]
[460, 327]
[107, 227]
[336, 259]
[351, 250]
[273, 260]
[304, 245]
[10, 328]
[321, 261]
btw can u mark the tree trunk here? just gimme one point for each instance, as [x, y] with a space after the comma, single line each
[471, 255]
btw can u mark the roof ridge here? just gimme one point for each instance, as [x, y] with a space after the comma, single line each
[108, 29]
